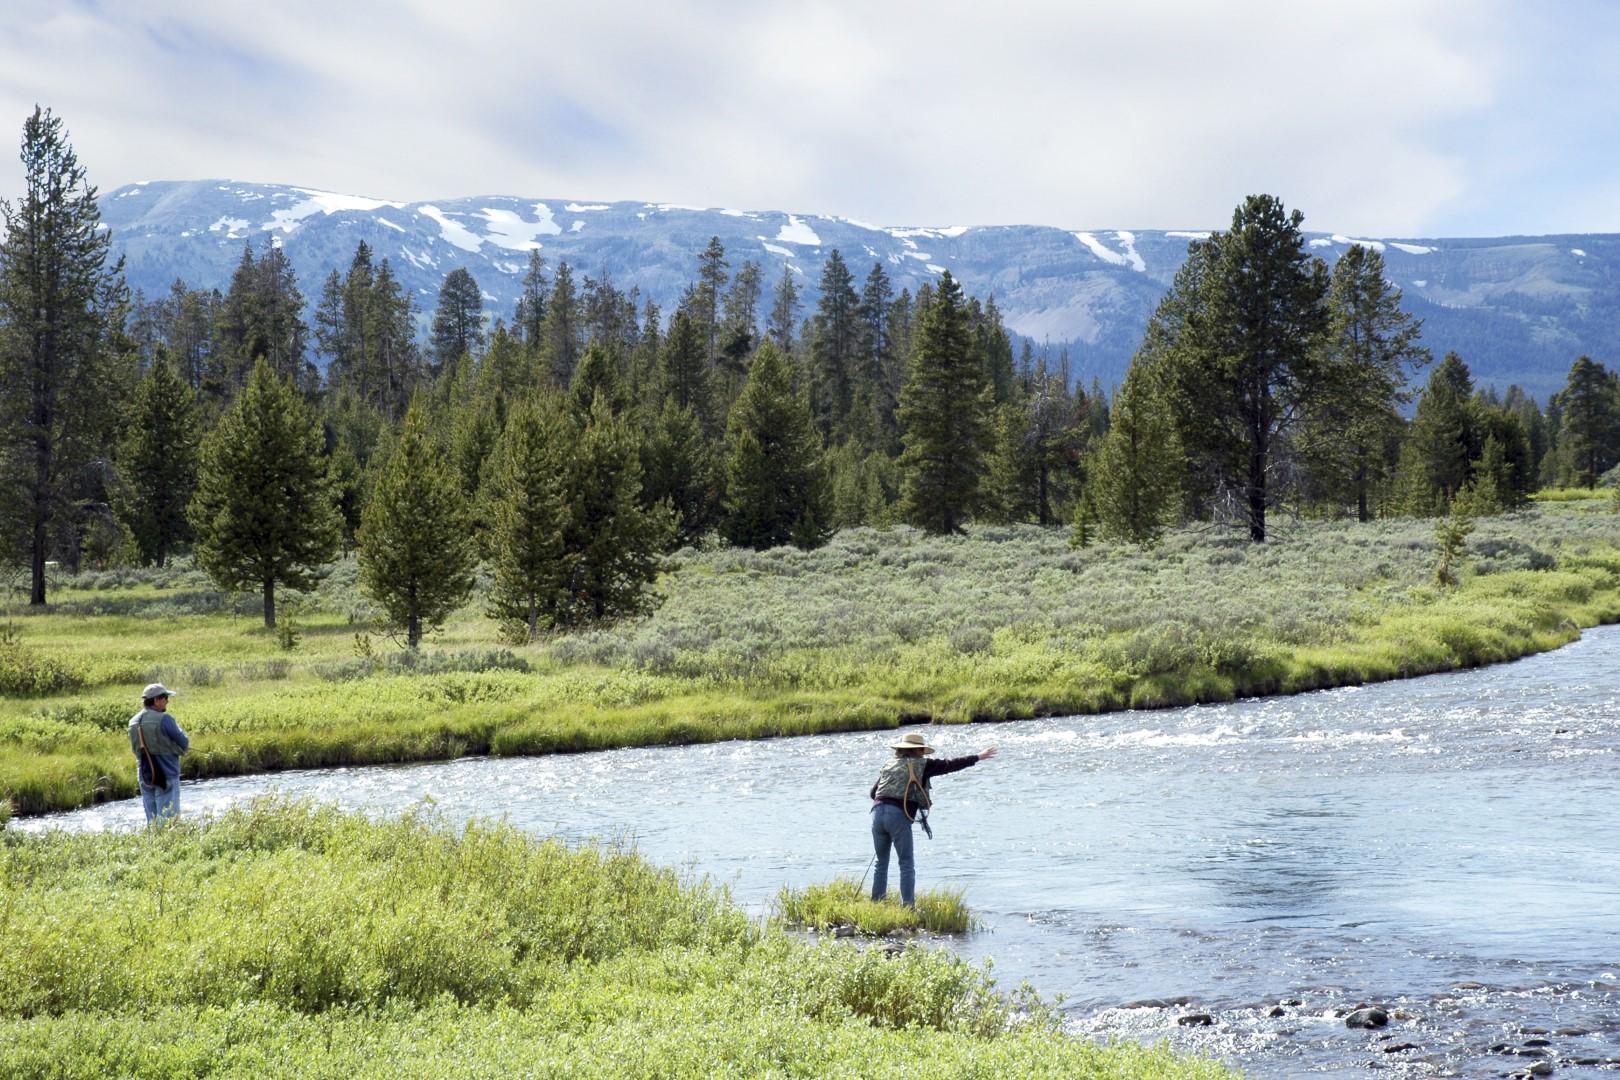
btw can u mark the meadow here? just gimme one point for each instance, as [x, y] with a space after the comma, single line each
[281, 939]
[876, 629]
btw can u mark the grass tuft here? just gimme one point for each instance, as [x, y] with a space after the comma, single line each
[843, 903]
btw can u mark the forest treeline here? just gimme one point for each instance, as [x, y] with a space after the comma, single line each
[566, 445]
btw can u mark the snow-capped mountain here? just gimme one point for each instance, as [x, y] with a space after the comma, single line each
[1519, 309]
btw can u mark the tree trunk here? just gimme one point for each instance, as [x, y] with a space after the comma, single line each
[1363, 513]
[1043, 508]
[1257, 494]
[269, 603]
[413, 630]
[36, 593]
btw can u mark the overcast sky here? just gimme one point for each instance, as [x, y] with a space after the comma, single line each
[1398, 118]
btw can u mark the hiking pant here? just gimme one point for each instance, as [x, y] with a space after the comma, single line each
[160, 802]
[891, 827]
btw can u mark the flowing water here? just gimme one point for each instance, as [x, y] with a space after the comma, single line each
[1444, 847]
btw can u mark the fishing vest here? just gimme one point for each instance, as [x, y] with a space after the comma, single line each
[150, 723]
[897, 776]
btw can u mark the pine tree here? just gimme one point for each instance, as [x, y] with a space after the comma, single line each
[1589, 438]
[784, 311]
[1370, 351]
[157, 462]
[530, 317]
[458, 322]
[1239, 337]
[705, 305]
[739, 331]
[347, 481]
[1010, 480]
[262, 318]
[684, 375]
[391, 352]
[1445, 431]
[263, 513]
[944, 411]
[612, 542]
[1135, 478]
[678, 466]
[834, 349]
[527, 517]
[416, 547]
[598, 376]
[560, 333]
[58, 371]
[773, 458]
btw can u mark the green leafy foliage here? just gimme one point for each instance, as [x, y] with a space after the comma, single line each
[321, 943]
[843, 903]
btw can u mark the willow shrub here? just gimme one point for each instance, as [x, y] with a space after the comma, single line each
[282, 939]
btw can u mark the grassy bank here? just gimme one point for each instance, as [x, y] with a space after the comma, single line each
[875, 629]
[283, 940]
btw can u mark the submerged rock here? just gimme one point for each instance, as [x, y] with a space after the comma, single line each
[1195, 1020]
[1372, 1017]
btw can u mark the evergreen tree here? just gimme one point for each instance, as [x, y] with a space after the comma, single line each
[598, 376]
[1445, 431]
[678, 468]
[784, 311]
[996, 348]
[773, 459]
[263, 514]
[262, 318]
[416, 547]
[1589, 439]
[612, 542]
[458, 322]
[1508, 462]
[944, 411]
[157, 462]
[330, 329]
[59, 371]
[876, 357]
[739, 330]
[391, 354]
[529, 319]
[561, 335]
[834, 349]
[1369, 353]
[684, 373]
[1011, 473]
[705, 304]
[527, 515]
[1135, 478]
[1244, 347]
[347, 482]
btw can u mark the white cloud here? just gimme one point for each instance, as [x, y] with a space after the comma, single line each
[1085, 116]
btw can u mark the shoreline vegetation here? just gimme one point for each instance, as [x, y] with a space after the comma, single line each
[877, 628]
[404, 947]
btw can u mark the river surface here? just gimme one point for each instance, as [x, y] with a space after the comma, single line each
[1445, 847]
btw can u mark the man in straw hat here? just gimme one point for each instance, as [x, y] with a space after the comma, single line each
[901, 795]
[158, 743]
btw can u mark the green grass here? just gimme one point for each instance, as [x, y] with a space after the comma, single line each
[876, 629]
[1574, 494]
[843, 903]
[284, 940]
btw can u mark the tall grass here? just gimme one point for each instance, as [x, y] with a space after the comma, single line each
[875, 629]
[843, 903]
[287, 940]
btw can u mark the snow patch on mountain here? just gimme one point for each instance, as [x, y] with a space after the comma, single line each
[934, 267]
[585, 208]
[1411, 249]
[230, 226]
[1109, 255]
[510, 231]
[797, 232]
[1375, 245]
[577, 226]
[1193, 235]
[1578, 253]
[775, 249]
[451, 232]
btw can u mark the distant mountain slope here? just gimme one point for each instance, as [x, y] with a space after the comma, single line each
[1519, 309]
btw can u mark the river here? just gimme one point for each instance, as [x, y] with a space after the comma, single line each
[1444, 847]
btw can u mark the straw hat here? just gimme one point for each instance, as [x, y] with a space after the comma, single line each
[912, 740]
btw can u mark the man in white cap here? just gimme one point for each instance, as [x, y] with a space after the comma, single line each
[901, 796]
[158, 743]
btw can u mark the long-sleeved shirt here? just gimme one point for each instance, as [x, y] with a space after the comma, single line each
[932, 767]
[164, 740]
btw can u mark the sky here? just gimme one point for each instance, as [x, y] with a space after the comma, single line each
[1393, 118]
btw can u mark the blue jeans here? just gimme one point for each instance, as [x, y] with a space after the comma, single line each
[891, 827]
[164, 802]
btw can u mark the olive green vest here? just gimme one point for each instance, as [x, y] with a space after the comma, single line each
[901, 774]
[150, 723]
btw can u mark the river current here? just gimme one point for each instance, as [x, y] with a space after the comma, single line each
[1447, 848]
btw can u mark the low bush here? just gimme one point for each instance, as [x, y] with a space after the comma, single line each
[289, 940]
[27, 672]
